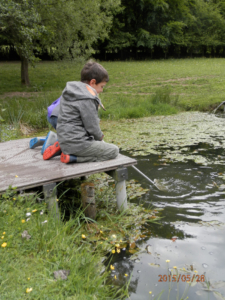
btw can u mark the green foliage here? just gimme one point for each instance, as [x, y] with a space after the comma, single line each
[129, 107]
[35, 244]
[75, 26]
[51, 245]
[65, 29]
[127, 226]
[163, 96]
[196, 26]
[205, 30]
[21, 26]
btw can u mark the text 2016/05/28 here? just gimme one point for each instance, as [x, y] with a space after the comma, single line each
[184, 278]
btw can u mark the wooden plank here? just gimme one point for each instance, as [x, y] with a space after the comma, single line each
[23, 167]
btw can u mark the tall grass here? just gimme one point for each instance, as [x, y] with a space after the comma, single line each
[135, 89]
[135, 106]
[28, 264]
[31, 111]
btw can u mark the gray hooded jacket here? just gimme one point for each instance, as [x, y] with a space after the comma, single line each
[78, 122]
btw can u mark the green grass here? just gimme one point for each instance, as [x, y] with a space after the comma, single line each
[53, 245]
[135, 89]
[70, 243]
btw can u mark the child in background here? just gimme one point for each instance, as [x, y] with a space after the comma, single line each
[52, 117]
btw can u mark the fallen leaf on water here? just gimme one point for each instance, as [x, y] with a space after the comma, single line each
[132, 245]
[133, 251]
[154, 265]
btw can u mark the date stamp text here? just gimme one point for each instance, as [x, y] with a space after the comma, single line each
[183, 278]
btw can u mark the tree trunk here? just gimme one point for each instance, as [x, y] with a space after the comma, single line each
[24, 71]
[152, 51]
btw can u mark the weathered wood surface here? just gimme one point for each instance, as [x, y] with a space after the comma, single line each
[23, 167]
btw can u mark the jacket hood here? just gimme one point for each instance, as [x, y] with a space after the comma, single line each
[77, 90]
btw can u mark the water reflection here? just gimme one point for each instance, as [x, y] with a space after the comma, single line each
[190, 234]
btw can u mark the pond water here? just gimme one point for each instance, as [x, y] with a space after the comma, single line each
[191, 234]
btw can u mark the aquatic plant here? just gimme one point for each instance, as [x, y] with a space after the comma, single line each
[182, 137]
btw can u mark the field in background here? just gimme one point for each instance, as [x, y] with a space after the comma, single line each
[135, 89]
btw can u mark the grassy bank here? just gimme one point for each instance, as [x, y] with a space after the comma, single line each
[135, 89]
[34, 244]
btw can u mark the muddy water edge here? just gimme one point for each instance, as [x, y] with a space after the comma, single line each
[184, 255]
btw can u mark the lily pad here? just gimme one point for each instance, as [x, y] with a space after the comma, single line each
[170, 136]
[154, 265]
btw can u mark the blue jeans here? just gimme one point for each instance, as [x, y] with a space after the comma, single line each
[53, 121]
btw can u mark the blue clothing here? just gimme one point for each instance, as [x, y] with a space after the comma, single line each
[53, 121]
[53, 109]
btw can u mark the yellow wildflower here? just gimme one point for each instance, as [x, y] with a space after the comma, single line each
[112, 267]
[4, 245]
[83, 236]
[3, 237]
[28, 290]
[115, 277]
[113, 251]
[14, 198]
[34, 210]
[28, 278]
[57, 199]
[23, 221]
[101, 231]
[114, 236]
[126, 275]
[47, 250]
[175, 267]
[167, 260]
[117, 245]
[150, 292]
[118, 250]
[4, 232]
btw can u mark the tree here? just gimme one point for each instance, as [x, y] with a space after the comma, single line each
[66, 28]
[20, 26]
[151, 25]
[205, 30]
[147, 24]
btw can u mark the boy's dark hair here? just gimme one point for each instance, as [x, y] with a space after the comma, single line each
[93, 70]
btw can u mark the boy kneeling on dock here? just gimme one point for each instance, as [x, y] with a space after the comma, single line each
[80, 138]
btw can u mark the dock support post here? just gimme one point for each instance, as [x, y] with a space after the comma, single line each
[120, 176]
[50, 192]
[88, 199]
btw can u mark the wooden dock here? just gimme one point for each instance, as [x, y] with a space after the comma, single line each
[25, 168]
